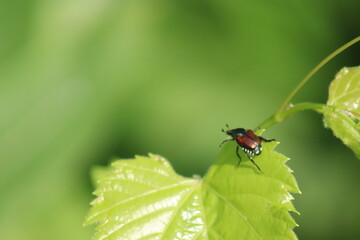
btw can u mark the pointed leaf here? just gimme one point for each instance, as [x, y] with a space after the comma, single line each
[343, 113]
[144, 198]
[256, 205]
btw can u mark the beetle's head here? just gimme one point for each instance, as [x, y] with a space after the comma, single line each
[227, 132]
[233, 132]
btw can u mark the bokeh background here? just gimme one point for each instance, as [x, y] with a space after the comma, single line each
[82, 82]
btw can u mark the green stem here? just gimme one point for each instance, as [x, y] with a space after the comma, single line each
[286, 110]
[289, 111]
[313, 71]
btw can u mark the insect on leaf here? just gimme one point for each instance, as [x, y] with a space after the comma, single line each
[143, 198]
[343, 112]
[242, 203]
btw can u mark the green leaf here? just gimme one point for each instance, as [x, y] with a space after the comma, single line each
[144, 198]
[343, 112]
[241, 203]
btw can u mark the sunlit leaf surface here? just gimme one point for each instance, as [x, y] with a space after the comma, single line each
[242, 203]
[144, 198]
[343, 113]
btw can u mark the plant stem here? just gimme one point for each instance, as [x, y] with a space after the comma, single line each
[313, 71]
[286, 109]
[289, 111]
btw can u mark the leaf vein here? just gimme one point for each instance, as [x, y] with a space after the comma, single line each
[220, 196]
[189, 182]
[133, 181]
[345, 94]
[183, 201]
[138, 218]
[149, 170]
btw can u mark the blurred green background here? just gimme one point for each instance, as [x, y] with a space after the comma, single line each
[82, 82]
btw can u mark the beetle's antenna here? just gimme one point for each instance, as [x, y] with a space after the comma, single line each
[227, 125]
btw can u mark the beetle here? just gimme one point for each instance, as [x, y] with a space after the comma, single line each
[246, 139]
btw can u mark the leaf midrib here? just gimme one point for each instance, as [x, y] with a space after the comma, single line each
[188, 182]
[183, 201]
[220, 196]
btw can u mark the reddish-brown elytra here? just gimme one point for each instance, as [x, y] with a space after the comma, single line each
[250, 143]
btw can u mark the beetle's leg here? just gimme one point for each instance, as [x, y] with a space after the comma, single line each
[267, 140]
[226, 140]
[252, 160]
[237, 153]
